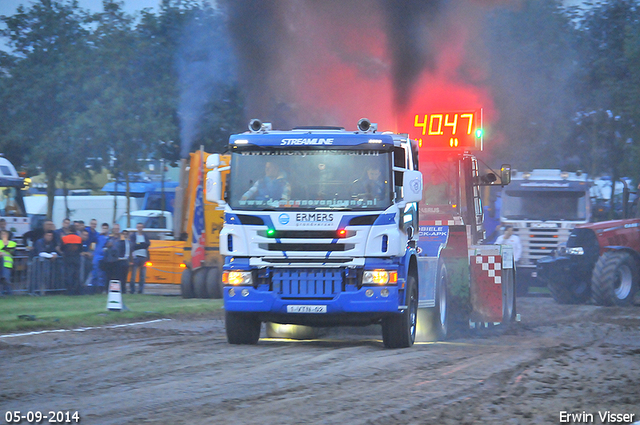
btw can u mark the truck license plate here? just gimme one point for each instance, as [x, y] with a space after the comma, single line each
[306, 309]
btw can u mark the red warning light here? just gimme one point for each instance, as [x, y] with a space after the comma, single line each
[342, 233]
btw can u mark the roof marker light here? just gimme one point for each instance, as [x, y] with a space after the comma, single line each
[241, 142]
[375, 141]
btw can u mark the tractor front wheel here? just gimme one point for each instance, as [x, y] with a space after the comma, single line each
[615, 279]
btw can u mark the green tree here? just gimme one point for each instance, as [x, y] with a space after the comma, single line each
[41, 91]
[608, 41]
[532, 60]
[132, 105]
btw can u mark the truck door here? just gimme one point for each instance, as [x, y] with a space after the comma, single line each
[473, 214]
[402, 160]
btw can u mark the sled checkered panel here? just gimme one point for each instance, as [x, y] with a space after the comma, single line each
[491, 265]
[457, 221]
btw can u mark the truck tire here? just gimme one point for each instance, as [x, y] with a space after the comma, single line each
[399, 330]
[615, 279]
[242, 328]
[200, 283]
[440, 320]
[568, 294]
[186, 284]
[214, 283]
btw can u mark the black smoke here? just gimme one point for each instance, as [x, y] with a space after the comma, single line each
[263, 32]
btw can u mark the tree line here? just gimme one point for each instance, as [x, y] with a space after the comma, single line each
[565, 83]
[105, 86]
[117, 87]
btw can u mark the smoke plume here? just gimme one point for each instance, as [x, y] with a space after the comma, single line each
[331, 62]
[205, 60]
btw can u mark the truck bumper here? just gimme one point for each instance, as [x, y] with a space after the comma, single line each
[250, 299]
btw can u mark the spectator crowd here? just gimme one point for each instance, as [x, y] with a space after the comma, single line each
[76, 258]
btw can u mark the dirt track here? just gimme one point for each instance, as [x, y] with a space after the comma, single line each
[559, 358]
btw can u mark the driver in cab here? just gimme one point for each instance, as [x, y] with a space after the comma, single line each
[371, 186]
[272, 186]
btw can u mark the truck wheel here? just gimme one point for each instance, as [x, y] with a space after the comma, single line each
[242, 328]
[509, 299]
[568, 294]
[200, 283]
[186, 284]
[399, 330]
[615, 279]
[440, 321]
[214, 283]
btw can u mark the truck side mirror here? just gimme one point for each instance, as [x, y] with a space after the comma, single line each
[505, 174]
[412, 186]
[214, 186]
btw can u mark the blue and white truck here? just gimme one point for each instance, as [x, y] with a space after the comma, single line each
[322, 228]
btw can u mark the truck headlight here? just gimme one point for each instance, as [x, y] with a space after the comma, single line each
[379, 277]
[575, 250]
[237, 278]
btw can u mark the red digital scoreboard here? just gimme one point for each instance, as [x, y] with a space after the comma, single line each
[449, 130]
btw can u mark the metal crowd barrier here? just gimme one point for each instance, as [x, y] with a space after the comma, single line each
[38, 276]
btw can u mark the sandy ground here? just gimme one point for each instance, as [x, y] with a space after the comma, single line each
[575, 359]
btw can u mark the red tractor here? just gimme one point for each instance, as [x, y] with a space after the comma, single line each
[601, 262]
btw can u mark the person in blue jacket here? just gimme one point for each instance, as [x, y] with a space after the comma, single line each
[99, 280]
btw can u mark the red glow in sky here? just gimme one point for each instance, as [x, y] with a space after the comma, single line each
[335, 66]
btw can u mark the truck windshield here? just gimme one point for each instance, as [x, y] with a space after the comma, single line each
[310, 179]
[543, 205]
[11, 202]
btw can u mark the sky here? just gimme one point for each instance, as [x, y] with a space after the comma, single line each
[8, 7]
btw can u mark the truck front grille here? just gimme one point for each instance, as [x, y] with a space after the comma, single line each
[307, 283]
[308, 247]
[536, 243]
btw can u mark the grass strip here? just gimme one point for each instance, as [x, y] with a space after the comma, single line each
[25, 313]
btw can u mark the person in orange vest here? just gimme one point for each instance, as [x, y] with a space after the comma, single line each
[71, 248]
[7, 248]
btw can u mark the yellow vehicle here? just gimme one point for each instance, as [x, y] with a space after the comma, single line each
[166, 262]
[171, 261]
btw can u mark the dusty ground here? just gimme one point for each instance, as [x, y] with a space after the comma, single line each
[558, 358]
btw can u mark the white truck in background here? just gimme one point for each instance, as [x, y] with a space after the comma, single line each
[83, 208]
[543, 206]
[12, 208]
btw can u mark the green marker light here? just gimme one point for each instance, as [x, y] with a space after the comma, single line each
[479, 133]
[271, 232]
